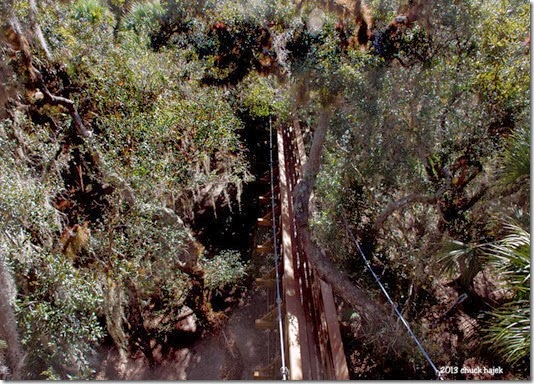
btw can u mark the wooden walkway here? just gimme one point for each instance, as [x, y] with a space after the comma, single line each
[313, 346]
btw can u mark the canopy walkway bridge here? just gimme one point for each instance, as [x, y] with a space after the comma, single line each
[304, 315]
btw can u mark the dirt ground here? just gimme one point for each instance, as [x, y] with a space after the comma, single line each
[232, 353]
[238, 349]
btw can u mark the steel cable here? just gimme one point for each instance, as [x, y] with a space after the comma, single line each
[283, 368]
[377, 279]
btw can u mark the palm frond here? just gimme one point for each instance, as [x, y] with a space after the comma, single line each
[511, 259]
[143, 15]
[92, 11]
[508, 331]
[515, 159]
[460, 257]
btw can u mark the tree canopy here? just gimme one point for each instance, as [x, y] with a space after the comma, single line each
[126, 126]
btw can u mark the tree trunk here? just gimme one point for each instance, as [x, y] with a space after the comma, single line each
[8, 325]
[325, 268]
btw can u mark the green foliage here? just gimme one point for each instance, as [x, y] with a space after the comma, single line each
[382, 11]
[148, 247]
[223, 269]
[59, 320]
[465, 258]
[400, 128]
[143, 16]
[172, 141]
[25, 209]
[57, 305]
[511, 259]
[175, 143]
[507, 332]
[278, 12]
[79, 35]
[316, 56]
[24, 204]
[514, 161]
[502, 66]
[92, 11]
[147, 251]
[165, 135]
[262, 97]
[195, 137]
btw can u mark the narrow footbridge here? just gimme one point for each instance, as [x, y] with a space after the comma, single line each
[304, 315]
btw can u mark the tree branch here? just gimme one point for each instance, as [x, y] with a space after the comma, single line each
[68, 104]
[401, 203]
[325, 268]
[474, 198]
[19, 43]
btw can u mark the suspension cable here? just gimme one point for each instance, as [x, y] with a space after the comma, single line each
[377, 279]
[283, 369]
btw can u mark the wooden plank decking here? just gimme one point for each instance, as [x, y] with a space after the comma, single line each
[314, 346]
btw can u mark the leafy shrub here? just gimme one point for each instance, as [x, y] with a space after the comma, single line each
[514, 162]
[56, 305]
[92, 11]
[223, 269]
[263, 97]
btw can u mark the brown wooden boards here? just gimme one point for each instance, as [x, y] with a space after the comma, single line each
[339, 360]
[294, 358]
[314, 346]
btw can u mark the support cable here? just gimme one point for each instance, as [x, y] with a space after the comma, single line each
[283, 369]
[377, 279]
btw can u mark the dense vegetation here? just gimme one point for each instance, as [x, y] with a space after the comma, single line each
[124, 124]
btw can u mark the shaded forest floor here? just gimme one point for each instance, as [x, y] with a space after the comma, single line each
[231, 353]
